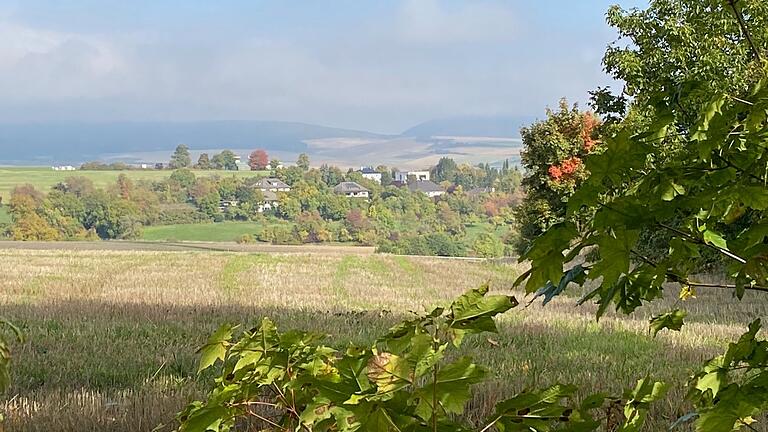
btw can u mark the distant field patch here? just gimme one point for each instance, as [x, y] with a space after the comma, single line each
[44, 178]
[213, 232]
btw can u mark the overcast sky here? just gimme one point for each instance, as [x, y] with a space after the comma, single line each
[375, 65]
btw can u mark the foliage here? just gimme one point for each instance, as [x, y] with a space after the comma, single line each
[699, 158]
[5, 356]
[224, 161]
[409, 380]
[203, 162]
[180, 158]
[552, 156]
[303, 162]
[258, 160]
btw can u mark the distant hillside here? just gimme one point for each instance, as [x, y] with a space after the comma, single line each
[76, 142]
[497, 126]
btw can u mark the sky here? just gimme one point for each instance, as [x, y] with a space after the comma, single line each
[378, 65]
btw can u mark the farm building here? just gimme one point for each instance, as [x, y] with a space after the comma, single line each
[351, 190]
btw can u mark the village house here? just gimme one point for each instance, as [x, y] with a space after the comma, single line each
[403, 176]
[351, 190]
[270, 201]
[370, 174]
[430, 188]
[63, 168]
[272, 184]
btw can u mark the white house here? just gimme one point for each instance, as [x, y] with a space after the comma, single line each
[403, 176]
[370, 174]
[63, 168]
[351, 190]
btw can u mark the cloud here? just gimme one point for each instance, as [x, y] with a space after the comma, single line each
[437, 22]
[40, 64]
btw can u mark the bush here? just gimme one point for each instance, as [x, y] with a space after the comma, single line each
[246, 239]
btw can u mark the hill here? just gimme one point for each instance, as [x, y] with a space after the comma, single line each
[471, 126]
[46, 143]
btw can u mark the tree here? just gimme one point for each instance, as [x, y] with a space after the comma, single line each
[203, 162]
[274, 164]
[180, 158]
[553, 150]
[224, 161]
[698, 155]
[303, 162]
[445, 170]
[258, 160]
[184, 177]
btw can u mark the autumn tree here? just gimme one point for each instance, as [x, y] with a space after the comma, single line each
[180, 158]
[552, 155]
[258, 160]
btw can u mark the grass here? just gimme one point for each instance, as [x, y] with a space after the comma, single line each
[5, 217]
[44, 178]
[214, 232]
[112, 335]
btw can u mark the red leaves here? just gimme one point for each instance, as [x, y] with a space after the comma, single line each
[588, 128]
[555, 173]
[566, 169]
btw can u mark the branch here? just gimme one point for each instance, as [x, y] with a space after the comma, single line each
[697, 240]
[744, 29]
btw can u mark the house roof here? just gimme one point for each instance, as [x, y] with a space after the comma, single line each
[271, 183]
[425, 186]
[369, 170]
[349, 187]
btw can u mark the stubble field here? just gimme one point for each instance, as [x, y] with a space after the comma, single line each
[112, 335]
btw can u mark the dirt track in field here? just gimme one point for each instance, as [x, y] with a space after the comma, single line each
[186, 247]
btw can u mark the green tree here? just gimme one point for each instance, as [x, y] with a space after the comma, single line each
[180, 158]
[488, 245]
[203, 162]
[224, 161]
[303, 162]
[445, 170]
[184, 177]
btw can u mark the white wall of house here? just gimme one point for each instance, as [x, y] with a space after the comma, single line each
[372, 176]
[402, 176]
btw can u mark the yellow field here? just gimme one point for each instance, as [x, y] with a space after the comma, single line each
[112, 334]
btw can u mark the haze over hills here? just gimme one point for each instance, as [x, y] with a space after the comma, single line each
[74, 143]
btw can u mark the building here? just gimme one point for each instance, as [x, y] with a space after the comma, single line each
[272, 184]
[240, 165]
[63, 168]
[270, 202]
[430, 188]
[351, 190]
[403, 176]
[370, 174]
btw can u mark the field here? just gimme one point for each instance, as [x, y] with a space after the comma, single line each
[215, 232]
[44, 178]
[112, 334]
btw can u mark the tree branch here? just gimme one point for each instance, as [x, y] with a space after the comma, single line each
[744, 29]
